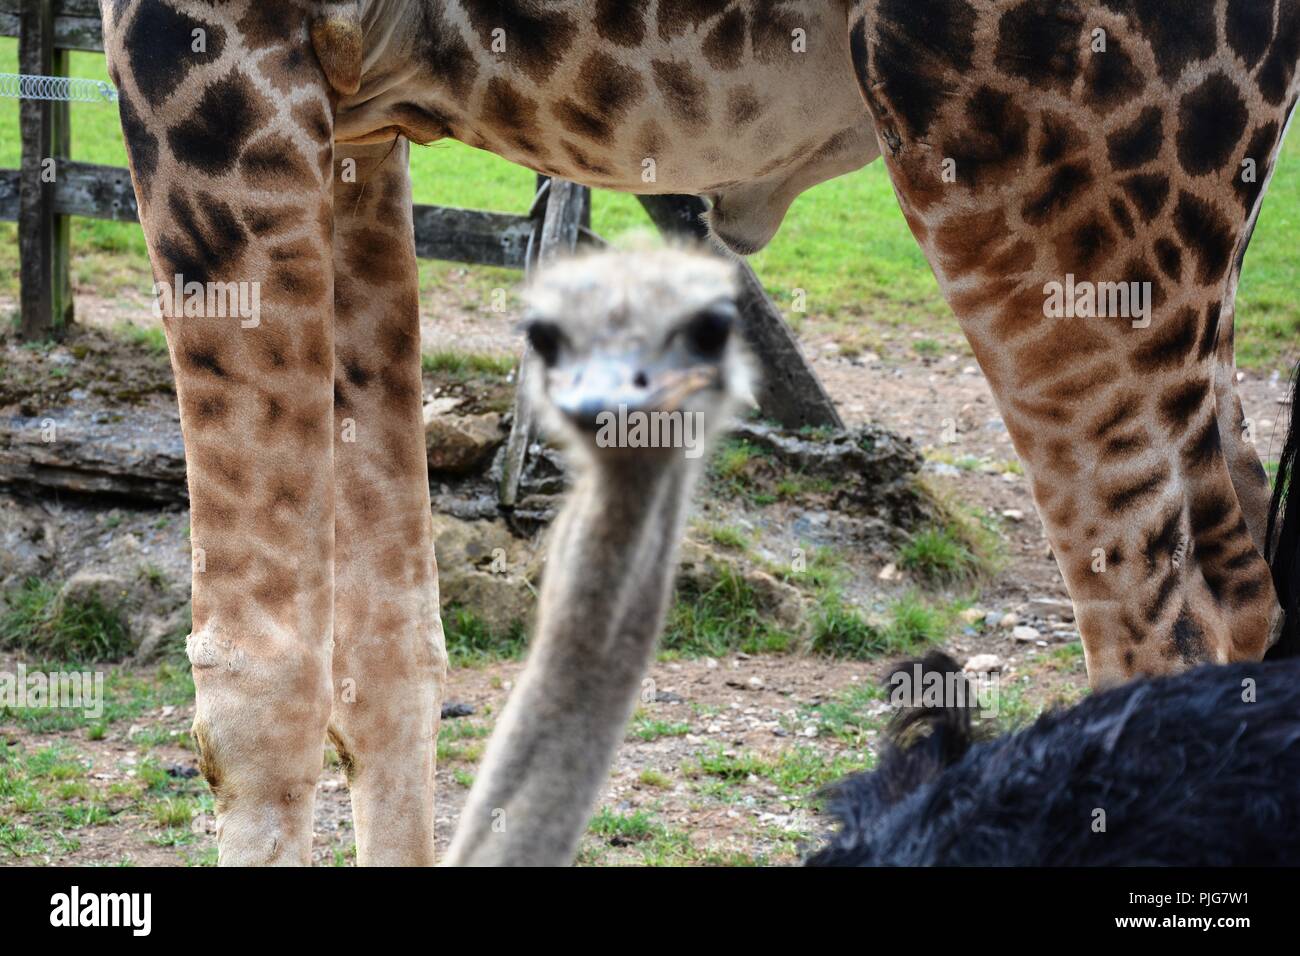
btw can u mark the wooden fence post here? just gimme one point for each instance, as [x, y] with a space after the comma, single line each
[43, 236]
[789, 392]
[568, 208]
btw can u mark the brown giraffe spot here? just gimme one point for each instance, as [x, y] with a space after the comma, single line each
[1170, 258]
[1181, 404]
[1211, 121]
[266, 24]
[1058, 139]
[1248, 27]
[994, 140]
[743, 106]
[536, 38]
[1275, 74]
[1156, 606]
[1205, 447]
[271, 349]
[272, 409]
[204, 409]
[684, 93]
[1122, 413]
[311, 117]
[141, 144]
[1085, 246]
[678, 17]
[299, 282]
[1040, 358]
[446, 54]
[1179, 31]
[202, 359]
[510, 112]
[1125, 446]
[159, 43]
[1061, 188]
[1039, 41]
[1173, 341]
[1260, 149]
[963, 239]
[290, 68]
[400, 389]
[771, 32]
[608, 93]
[1188, 639]
[1138, 143]
[1210, 334]
[1137, 270]
[370, 251]
[274, 162]
[1204, 229]
[620, 22]
[264, 221]
[1120, 498]
[724, 47]
[584, 161]
[919, 45]
[315, 350]
[1148, 192]
[1111, 79]
[1123, 218]
[228, 113]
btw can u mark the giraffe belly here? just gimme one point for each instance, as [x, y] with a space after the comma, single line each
[749, 108]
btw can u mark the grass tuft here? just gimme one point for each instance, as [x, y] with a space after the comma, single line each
[83, 630]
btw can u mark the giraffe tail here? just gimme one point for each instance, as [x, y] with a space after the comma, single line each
[1283, 538]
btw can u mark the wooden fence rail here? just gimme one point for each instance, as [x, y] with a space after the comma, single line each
[48, 29]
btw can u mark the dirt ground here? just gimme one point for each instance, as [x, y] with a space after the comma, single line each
[721, 767]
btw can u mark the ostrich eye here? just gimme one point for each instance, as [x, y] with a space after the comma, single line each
[545, 339]
[708, 332]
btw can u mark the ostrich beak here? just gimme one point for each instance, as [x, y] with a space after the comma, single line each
[608, 384]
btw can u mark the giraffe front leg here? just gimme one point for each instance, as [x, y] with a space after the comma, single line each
[389, 661]
[229, 131]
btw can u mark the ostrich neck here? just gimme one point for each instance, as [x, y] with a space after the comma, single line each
[606, 588]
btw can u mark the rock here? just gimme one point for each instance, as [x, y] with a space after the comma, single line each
[1046, 607]
[26, 544]
[973, 615]
[1025, 633]
[889, 573]
[455, 709]
[88, 586]
[871, 466]
[486, 570]
[702, 567]
[1014, 514]
[983, 664]
[1009, 620]
[133, 452]
[460, 444]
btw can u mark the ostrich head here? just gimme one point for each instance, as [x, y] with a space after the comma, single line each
[646, 340]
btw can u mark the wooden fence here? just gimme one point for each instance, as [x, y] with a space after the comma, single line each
[49, 29]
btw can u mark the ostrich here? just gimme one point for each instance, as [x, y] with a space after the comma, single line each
[1202, 769]
[635, 365]
[1195, 769]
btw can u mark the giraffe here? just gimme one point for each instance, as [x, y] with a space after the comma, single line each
[1030, 144]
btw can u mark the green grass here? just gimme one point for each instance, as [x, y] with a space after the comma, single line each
[724, 618]
[463, 365]
[938, 556]
[841, 630]
[471, 642]
[83, 630]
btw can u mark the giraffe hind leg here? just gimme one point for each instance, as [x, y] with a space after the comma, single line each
[389, 659]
